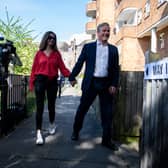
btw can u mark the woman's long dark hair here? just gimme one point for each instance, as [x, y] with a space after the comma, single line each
[43, 43]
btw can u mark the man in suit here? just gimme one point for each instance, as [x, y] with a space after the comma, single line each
[100, 78]
[61, 81]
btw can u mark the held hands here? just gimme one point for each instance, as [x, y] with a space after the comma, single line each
[73, 83]
[112, 90]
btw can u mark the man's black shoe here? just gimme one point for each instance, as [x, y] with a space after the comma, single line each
[110, 145]
[75, 136]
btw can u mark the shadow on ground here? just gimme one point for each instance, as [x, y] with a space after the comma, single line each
[18, 150]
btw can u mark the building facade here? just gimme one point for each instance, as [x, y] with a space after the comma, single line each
[138, 28]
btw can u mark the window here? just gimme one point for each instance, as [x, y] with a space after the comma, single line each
[162, 40]
[117, 3]
[139, 16]
[161, 1]
[147, 8]
[114, 31]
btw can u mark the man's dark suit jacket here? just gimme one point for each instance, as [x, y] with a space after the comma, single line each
[88, 56]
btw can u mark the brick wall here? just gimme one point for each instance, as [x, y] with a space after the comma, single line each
[156, 13]
[133, 44]
[132, 55]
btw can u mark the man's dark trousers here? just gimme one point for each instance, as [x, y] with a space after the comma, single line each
[99, 86]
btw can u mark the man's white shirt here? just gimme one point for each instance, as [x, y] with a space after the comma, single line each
[101, 60]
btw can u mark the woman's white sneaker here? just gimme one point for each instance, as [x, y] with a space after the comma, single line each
[52, 128]
[39, 138]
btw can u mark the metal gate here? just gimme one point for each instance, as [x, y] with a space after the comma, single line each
[12, 101]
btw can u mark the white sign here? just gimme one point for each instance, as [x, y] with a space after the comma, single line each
[157, 70]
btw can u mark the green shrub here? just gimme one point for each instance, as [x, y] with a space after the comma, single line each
[30, 103]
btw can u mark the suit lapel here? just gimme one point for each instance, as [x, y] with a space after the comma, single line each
[94, 53]
[109, 55]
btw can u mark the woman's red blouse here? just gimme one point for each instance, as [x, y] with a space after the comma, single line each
[47, 65]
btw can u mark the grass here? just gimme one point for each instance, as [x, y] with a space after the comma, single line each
[30, 103]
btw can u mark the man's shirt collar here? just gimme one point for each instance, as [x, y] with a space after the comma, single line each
[100, 43]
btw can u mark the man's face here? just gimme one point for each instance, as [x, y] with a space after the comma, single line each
[104, 33]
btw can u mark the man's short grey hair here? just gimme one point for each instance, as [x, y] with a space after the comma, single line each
[101, 25]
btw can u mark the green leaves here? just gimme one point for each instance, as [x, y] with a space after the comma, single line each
[14, 29]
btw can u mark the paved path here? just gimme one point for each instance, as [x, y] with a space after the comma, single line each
[18, 150]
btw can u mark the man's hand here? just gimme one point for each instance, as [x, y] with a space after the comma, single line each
[112, 90]
[73, 83]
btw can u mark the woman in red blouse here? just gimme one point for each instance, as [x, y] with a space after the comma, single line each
[43, 79]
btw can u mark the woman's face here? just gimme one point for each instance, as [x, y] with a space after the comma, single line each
[51, 40]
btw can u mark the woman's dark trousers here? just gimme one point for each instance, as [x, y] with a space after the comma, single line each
[42, 86]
